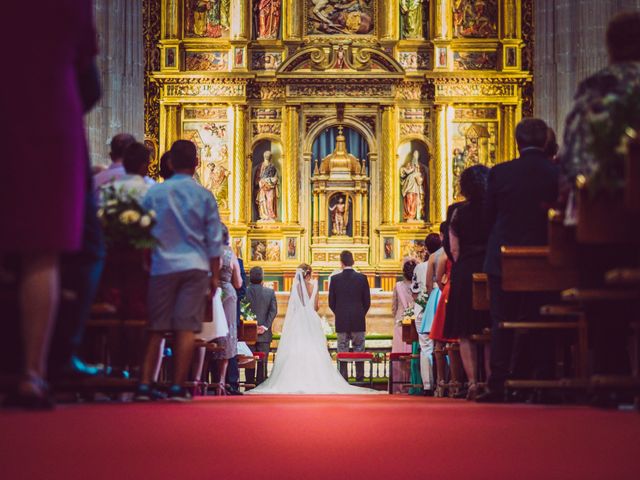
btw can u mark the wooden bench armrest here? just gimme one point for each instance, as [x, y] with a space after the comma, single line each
[599, 295]
[540, 325]
[623, 276]
[561, 310]
[524, 251]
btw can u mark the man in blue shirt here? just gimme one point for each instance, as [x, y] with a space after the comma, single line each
[189, 233]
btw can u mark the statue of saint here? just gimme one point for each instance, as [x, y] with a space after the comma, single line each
[267, 19]
[411, 14]
[412, 181]
[340, 216]
[266, 182]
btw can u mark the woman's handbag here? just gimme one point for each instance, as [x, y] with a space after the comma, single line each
[218, 328]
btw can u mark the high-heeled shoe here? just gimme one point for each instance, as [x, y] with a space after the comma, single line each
[441, 389]
[472, 391]
[32, 393]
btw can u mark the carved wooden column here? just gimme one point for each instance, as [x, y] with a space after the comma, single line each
[169, 125]
[440, 191]
[170, 26]
[508, 127]
[511, 19]
[442, 16]
[390, 20]
[290, 165]
[239, 212]
[240, 19]
[365, 216]
[292, 20]
[389, 124]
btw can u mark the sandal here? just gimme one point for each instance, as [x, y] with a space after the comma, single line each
[31, 393]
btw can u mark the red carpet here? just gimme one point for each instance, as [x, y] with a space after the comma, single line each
[308, 438]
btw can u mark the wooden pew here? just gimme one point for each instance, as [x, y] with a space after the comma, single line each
[527, 269]
[563, 245]
[409, 332]
[480, 292]
[248, 332]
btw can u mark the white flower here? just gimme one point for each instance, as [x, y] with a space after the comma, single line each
[111, 203]
[152, 213]
[129, 216]
[100, 212]
[145, 221]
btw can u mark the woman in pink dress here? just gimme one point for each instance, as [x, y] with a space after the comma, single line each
[403, 298]
[45, 165]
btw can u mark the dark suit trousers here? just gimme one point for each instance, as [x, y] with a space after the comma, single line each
[517, 355]
[357, 340]
[251, 372]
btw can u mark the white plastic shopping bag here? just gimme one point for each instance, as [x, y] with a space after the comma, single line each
[218, 327]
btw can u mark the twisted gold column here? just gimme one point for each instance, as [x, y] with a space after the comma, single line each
[440, 165]
[239, 212]
[388, 162]
[291, 189]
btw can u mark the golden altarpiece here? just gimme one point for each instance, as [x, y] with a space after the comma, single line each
[332, 124]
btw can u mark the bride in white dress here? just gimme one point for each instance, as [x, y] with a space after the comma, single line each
[303, 364]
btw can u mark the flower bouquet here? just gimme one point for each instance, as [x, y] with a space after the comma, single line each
[246, 314]
[126, 224]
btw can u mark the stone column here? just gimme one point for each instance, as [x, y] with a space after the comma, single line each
[388, 151]
[120, 61]
[290, 165]
[239, 212]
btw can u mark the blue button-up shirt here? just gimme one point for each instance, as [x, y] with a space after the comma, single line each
[188, 225]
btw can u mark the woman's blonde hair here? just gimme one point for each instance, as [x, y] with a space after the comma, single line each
[306, 269]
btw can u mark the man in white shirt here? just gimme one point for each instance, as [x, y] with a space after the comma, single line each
[119, 144]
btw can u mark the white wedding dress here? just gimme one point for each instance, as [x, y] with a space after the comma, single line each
[303, 364]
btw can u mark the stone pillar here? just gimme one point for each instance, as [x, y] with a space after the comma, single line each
[239, 180]
[120, 61]
[388, 147]
[290, 165]
[570, 45]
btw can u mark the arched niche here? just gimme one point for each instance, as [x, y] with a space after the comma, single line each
[414, 176]
[347, 122]
[325, 143]
[266, 184]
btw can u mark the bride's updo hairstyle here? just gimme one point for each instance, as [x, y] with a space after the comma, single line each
[305, 269]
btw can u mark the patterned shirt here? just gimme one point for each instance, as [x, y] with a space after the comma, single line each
[188, 225]
[576, 156]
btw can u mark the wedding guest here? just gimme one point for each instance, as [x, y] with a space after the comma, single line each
[517, 196]
[468, 240]
[403, 298]
[597, 93]
[433, 245]
[233, 370]
[115, 170]
[190, 246]
[43, 183]
[166, 170]
[230, 280]
[262, 302]
[134, 182]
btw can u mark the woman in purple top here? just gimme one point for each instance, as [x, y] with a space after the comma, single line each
[44, 169]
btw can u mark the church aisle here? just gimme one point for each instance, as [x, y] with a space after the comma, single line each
[315, 437]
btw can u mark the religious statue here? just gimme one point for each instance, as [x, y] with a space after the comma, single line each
[267, 19]
[340, 17]
[412, 182]
[411, 12]
[459, 161]
[340, 216]
[266, 181]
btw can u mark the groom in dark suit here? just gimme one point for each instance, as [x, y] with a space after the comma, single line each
[262, 302]
[350, 299]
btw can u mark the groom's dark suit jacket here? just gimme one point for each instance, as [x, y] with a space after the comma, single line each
[349, 299]
[263, 303]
